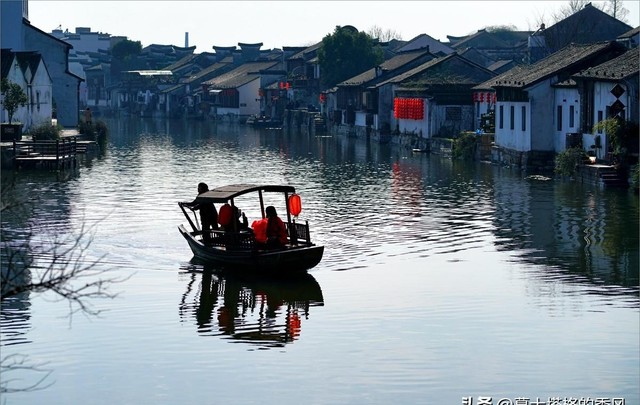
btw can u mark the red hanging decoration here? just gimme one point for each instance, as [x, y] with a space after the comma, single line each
[295, 204]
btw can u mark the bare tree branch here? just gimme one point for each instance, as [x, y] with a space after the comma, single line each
[14, 364]
[383, 35]
[34, 259]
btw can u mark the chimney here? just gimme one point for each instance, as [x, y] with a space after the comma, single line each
[186, 39]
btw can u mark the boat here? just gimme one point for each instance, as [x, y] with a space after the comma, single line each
[237, 249]
[264, 121]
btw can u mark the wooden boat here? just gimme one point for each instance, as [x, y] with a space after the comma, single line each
[238, 249]
[263, 121]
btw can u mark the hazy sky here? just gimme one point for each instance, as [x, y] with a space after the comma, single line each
[288, 23]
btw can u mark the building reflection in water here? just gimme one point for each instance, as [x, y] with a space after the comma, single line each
[264, 312]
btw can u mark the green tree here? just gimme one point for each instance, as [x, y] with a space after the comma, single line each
[126, 49]
[346, 53]
[125, 57]
[13, 97]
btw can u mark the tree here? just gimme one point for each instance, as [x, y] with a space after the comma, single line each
[382, 35]
[126, 49]
[501, 28]
[33, 263]
[611, 7]
[13, 97]
[125, 57]
[346, 53]
[616, 9]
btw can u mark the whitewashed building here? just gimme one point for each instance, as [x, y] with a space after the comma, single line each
[537, 105]
[28, 70]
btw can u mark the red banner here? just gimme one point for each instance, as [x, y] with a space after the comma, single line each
[408, 108]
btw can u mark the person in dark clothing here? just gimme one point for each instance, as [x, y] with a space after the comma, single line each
[276, 231]
[208, 212]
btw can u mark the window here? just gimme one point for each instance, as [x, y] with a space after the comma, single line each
[524, 118]
[571, 117]
[600, 120]
[512, 121]
[559, 119]
[501, 117]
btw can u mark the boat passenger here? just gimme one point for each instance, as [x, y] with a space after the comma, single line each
[208, 213]
[241, 221]
[276, 231]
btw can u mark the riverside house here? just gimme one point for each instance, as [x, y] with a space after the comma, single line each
[361, 109]
[537, 105]
[608, 90]
[434, 99]
[28, 70]
[19, 35]
[237, 93]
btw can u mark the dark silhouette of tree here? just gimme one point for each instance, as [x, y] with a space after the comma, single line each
[126, 49]
[125, 56]
[347, 53]
[33, 263]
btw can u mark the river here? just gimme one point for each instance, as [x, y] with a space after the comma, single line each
[443, 281]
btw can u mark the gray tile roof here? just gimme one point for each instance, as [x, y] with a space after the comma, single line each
[206, 71]
[301, 54]
[389, 65]
[630, 33]
[622, 67]
[424, 40]
[417, 70]
[526, 75]
[241, 75]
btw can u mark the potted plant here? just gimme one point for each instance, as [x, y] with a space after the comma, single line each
[13, 97]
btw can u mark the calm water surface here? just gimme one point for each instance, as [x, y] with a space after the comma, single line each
[441, 280]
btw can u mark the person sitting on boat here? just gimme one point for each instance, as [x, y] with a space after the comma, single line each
[276, 231]
[208, 213]
[241, 222]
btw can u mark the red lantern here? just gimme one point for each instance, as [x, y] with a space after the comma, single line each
[295, 204]
[225, 215]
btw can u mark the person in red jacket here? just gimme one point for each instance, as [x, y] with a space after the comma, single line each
[276, 231]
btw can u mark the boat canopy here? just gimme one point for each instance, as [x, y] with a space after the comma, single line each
[226, 193]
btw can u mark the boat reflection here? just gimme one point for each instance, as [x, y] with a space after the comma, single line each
[266, 313]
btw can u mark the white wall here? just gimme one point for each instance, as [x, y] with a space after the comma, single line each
[602, 98]
[516, 138]
[249, 98]
[419, 127]
[567, 98]
[40, 99]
